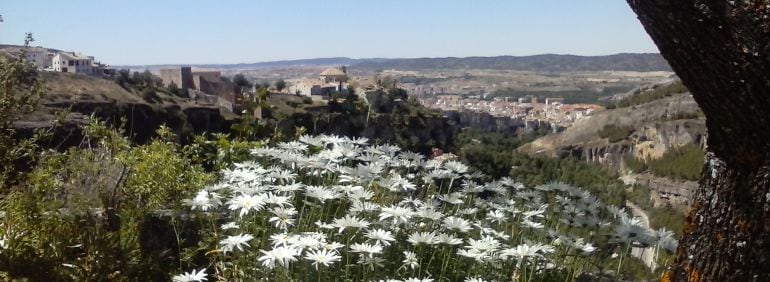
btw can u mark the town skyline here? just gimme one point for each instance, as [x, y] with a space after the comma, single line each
[244, 32]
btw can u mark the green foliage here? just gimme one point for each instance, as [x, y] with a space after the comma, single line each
[657, 92]
[92, 213]
[636, 164]
[146, 84]
[280, 85]
[490, 152]
[241, 82]
[685, 115]
[159, 175]
[150, 95]
[174, 89]
[146, 80]
[219, 152]
[20, 91]
[685, 162]
[594, 178]
[346, 102]
[615, 133]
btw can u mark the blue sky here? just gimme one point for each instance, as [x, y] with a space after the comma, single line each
[193, 32]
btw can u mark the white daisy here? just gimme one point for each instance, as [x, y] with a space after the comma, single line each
[283, 255]
[192, 276]
[239, 242]
[417, 238]
[366, 249]
[283, 217]
[247, 203]
[349, 221]
[457, 223]
[322, 256]
[381, 236]
[398, 214]
[410, 259]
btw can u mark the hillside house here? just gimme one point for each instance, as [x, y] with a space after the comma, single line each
[71, 62]
[335, 75]
[330, 80]
[40, 57]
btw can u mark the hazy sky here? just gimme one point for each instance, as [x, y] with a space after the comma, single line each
[192, 31]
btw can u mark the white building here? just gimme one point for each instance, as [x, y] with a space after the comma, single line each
[73, 63]
[40, 57]
[335, 75]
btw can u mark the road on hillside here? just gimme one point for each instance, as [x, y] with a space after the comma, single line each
[644, 254]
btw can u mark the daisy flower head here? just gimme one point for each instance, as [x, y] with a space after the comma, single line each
[448, 239]
[456, 167]
[366, 249]
[410, 260]
[396, 213]
[414, 279]
[417, 238]
[192, 276]
[230, 225]
[381, 236]
[282, 255]
[322, 257]
[283, 217]
[457, 223]
[205, 201]
[237, 242]
[349, 222]
[246, 203]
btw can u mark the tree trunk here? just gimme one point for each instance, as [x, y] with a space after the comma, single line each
[720, 49]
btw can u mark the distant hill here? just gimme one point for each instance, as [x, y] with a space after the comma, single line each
[336, 61]
[548, 62]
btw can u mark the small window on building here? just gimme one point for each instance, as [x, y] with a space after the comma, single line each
[71, 63]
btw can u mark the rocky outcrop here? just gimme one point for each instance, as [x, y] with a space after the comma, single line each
[658, 126]
[141, 120]
[677, 193]
[651, 141]
[72, 100]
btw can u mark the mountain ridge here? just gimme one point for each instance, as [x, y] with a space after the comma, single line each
[542, 62]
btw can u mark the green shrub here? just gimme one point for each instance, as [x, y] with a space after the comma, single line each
[615, 133]
[684, 162]
[97, 212]
[657, 92]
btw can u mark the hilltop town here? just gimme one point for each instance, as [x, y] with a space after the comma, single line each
[516, 99]
[527, 110]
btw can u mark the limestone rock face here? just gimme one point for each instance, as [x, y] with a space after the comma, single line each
[658, 126]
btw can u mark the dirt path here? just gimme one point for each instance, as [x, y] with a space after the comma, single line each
[644, 254]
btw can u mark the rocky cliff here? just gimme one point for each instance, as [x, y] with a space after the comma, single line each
[656, 126]
[72, 100]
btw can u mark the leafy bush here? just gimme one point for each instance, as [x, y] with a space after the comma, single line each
[150, 96]
[615, 133]
[657, 92]
[20, 90]
[685, 162]
[490, 152]
[97, 213]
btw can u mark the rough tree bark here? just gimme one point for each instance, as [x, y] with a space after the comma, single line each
[721, 51]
